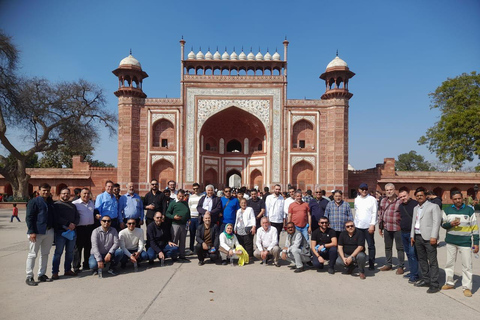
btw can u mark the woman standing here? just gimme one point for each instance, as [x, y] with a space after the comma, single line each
[245, 226]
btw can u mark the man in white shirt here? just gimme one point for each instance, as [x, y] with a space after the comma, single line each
[173, 192]
[274, 210]
[192, 204]
[267, 243]
[132, 243]
[289, 200]
[365, 220]
[84, 229]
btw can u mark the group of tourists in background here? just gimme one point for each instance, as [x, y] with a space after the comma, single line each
[228, 228]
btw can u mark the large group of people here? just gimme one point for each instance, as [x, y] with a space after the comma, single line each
[236, 229]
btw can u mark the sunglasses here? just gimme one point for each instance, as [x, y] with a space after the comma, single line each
[227, 191]
[131, 223]
[363, 189]
[349, 226]
[323, 222]
[107, 221]
[154, 184]
[318, 192]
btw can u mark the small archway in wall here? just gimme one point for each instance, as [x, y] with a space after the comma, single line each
[234, 179]
[256, 179]
[59, 188]
[303, 136]
[210, 177]
[234, 146]
[302, 175]
[163, 171]
[163, 134]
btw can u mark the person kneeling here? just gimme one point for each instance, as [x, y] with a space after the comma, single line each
[267, 243]
[104, 247]
[161, 246]
[324, 246]
[132, 244]
[228, 245]
[351, 246]
[207, 240]
[296, 248]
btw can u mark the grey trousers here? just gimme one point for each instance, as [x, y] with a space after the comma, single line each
[275, 253]
[179, 237]
[388, 237]
[359, 260]
[296, 256]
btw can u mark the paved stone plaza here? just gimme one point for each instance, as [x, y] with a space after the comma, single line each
[184, 291]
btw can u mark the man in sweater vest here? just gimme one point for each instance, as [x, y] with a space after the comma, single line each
[461, 225]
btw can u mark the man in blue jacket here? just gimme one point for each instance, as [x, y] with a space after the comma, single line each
[40, 222]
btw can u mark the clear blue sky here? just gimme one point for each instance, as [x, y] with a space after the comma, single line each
[399, 50]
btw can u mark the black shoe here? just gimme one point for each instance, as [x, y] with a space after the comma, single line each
[298, 270]
[123, 265]
[371, 267]
[44, 278]
[309, 263]
[201, 263]
[150, 262]
[411, 281]
[31, 282]
[433, 290]
[224, 262]
[293, 267]
[422, 283]
[331, 271]
[183, 260]
[321, 266]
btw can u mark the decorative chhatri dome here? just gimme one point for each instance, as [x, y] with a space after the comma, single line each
[217, 55]
[276, 56]
[191, 55]
[267, 56]
[225, 55]
[234, 55]
[337, 62]
[200, 55]
[130, 61]
[208, 55]
[251, 56]
[259, 56]
[242, 56]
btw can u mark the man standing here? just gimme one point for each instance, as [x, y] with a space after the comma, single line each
[299, 214]
[274, 210]
[116, 191]
[317, 208]
[389, 220]
[104, 248]
[179, 212]
[351, 247]
[154, 201]
[193, 200]
[160, 244]
[84, 229]
[461, 224]
[130, 206]
[266, 193]
[207, 240]
[171, 186]
[267, 243]
[324, 246]
[297, 249]
[258, 206]
[338, 212]
[365, 220]
[289, 200]
[433, 198]
[406, 210]
[211, 204]
[66, 218]
[426, 221]
[132, 244]
[230, 205]
[40, 222]
[107, 205]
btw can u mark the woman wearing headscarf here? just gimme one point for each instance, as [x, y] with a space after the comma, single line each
[228, 245]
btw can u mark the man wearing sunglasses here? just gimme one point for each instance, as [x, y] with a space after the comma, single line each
[153, 201]
[324, 246]
[365, 220]
[351, 247]
[132, 243]
[297, 249]
[104, 247]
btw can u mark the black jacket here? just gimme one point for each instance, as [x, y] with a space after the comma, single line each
[217, 208]
[214, 234]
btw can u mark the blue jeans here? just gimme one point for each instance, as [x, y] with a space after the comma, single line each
[168, 251]
[304, 231]
[329, 254]
[193, 229]
[60, 243]
[92, 262]
[143, 256]
[411, 255]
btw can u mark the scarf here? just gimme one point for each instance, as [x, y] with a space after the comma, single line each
[229, 236]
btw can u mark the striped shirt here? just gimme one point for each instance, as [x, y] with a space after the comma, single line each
[338, 215]
[462, 234]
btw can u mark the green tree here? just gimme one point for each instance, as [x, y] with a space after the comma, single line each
[412, 162]
[455, 138]
[51, 116]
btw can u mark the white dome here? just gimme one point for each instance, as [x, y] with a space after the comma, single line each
[251, 56]
[267, 56]
[276, 56]
[242, 56]
[259, 56]
[130, 60]
[200, 55]
[225, 56]
[208, 55]
[337, 62]
[217, 56]
[191, 55]
[234, 56]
